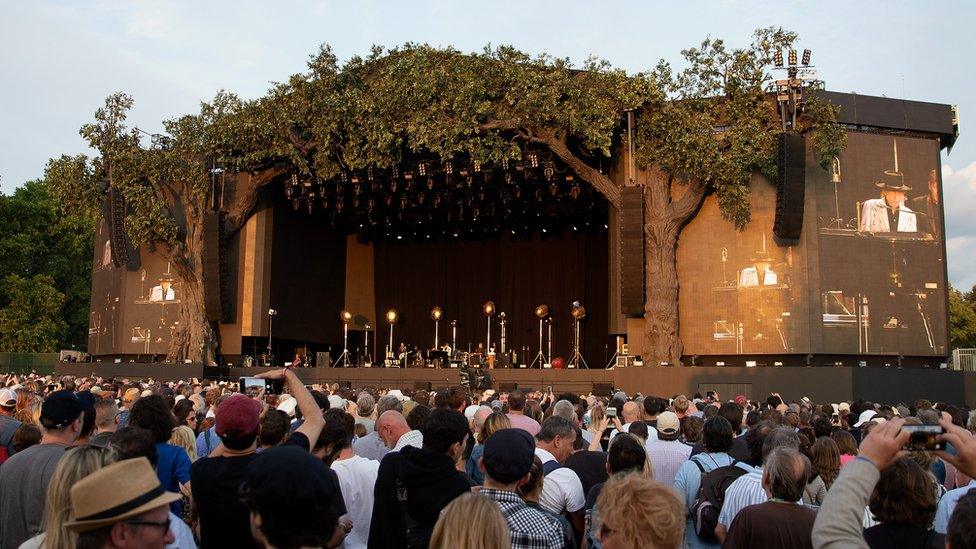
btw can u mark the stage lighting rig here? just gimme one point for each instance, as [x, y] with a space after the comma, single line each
[391, 318]
[436, 314]
[346, 317]
[489, 309]
[578, 313]
[541, 312]
[790, 90]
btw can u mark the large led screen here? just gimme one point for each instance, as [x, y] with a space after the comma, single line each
[867, 275]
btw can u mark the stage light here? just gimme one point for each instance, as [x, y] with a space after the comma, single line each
[806, 57]
[489, 308]
[579, 312]
[541, 311]
[345, 316]
[533, 159]
[422, 169]
[792, 58]
[436, 314]
[778, 57]
[392, 316]
[449, 167]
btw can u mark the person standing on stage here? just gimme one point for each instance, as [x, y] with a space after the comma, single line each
[929, 207]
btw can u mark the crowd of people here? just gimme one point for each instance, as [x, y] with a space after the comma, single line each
[106, 463]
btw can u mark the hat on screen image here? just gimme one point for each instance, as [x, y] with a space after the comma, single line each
[865, 417]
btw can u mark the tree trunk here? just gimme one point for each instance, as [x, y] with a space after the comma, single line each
[663, 220]
[661, 341]
[196, 338]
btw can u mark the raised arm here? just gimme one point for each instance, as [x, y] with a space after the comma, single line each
[313, 421]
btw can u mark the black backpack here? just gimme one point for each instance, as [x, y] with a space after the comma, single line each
[711, 496]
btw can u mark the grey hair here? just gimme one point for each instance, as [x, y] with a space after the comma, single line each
[389, 402]
[787, 471]
[971, 422]
[564, 409]
[365, 404]
[780, 437]
[555, 426]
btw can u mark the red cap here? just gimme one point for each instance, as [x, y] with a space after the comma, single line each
[739, 399]
[238, 413]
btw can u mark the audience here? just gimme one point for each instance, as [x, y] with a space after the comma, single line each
[275, 471]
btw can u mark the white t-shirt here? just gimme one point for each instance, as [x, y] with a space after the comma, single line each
[562, 489]
[357, 477]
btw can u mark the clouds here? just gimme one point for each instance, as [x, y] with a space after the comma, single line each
[959, 191]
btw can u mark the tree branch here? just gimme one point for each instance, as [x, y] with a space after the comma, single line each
[246, 191]
[587, 173]
[507, 124]
[686, 206]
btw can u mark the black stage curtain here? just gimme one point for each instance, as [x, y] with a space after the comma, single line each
[517, 275]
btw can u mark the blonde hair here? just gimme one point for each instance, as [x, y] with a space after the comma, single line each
[496, 421]
[644, 513]
[184, 438]
[471, 521]
[76, 464]
[597, 414]
[30, 413]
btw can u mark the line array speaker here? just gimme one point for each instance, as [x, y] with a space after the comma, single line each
[116, 223]
[215, 283]
[632, 250]
[791, 186]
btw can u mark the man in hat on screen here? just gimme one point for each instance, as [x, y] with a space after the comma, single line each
[122, 505]
[890, 212]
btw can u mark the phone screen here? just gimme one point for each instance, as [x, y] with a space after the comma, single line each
[924, 437]
[611, 412]
[256, 387]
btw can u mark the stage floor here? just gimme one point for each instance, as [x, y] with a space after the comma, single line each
[822, 384]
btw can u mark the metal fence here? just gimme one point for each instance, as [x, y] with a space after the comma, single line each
[964, 359]
[25, 362]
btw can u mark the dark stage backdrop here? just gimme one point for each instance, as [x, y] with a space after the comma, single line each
[517, 276]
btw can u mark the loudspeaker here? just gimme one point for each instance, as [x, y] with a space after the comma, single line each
[323, 360]
[791, 187]
[214, 271]
[631, 222]
[602, 389]
[507, 387]
[116, 226]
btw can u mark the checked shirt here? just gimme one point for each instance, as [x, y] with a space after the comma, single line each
[530, 528]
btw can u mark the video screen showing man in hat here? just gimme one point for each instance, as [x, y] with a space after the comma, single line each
[889, 213]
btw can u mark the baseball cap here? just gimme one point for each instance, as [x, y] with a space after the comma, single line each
[668, 423]
[509, 454]
[8, 398]
[59, 409]
[865, 417]
[238, 413]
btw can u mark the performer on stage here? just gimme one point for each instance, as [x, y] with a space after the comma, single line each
[888, 213]
[761, 272]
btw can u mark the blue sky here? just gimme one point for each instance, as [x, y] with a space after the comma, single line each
[59, 60]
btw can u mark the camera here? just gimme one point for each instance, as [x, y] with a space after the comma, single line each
[924, 438]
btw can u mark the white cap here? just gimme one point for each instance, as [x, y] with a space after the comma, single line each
[865, 417]
[179, 398]
[397, 393]
[470, 411]
[336, 401]
[8, 398]
[287, 405]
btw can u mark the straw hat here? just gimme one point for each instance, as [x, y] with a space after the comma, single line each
[122, 490]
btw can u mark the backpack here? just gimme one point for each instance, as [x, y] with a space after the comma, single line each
[711, 496]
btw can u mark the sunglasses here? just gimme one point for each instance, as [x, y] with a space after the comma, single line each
[163, 526]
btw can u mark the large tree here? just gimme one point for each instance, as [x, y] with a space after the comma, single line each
[708, 127]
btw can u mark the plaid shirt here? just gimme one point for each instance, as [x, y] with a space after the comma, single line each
[529, 528]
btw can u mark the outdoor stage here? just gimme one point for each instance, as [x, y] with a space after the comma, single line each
[821, 384]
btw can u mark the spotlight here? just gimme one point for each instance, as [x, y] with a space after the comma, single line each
[345, 316]
[541, 311]
[792, 58]
[533, 160]
[422, 169]
[489, 308]
[578, 312]
[806, 57]
[392, 316]
[778, 57]
[436, 314]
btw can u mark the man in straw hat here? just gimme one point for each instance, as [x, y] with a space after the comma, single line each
[120, 506]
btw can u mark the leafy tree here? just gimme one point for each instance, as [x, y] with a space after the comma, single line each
[962, 320]
[31, 319]
[38, 238]
[708, 128]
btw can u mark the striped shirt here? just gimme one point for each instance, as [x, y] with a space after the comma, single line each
[744, 491]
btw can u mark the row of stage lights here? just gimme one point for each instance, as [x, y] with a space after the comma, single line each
[541, 312]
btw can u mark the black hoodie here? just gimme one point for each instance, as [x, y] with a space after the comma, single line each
[430, 481]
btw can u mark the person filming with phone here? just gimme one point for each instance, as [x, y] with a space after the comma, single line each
[898, 491]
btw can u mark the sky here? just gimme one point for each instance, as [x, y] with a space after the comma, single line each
[59, 60]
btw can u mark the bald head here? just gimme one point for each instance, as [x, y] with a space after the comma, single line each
[391, 425]
[631, 412]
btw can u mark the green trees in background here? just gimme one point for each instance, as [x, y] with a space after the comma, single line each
[45, 272]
